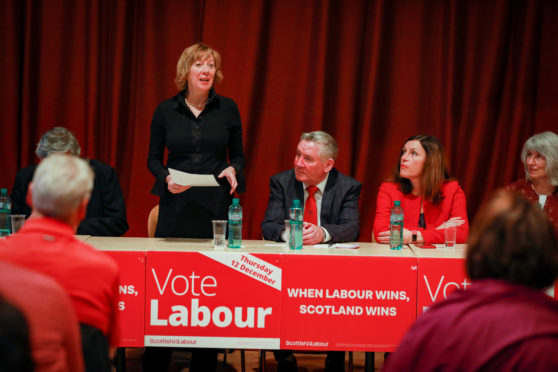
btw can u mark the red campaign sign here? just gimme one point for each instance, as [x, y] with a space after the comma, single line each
[347, 302]
[213, 299]
[131, 297]
[437, 278]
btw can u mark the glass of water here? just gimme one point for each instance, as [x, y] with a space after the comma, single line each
[450, 234]
[17, 222]
[219, 231]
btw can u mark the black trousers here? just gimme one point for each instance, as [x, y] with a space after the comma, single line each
[157, 359]
[286, 361]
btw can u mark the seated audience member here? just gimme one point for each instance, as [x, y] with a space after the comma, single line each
[540, 158]
[503, 321]
[54, 331]
[333, 198]
[15, 347]
[106, 211]
[427, 194]
[46, 243]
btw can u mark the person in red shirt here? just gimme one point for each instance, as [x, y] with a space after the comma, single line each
[540, 158]
[503, 321]
[55, 339]
[46, 243]
[427, 194]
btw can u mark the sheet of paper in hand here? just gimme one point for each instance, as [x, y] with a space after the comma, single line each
[188, 179]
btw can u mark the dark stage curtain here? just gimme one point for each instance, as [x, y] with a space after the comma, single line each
[478, 74]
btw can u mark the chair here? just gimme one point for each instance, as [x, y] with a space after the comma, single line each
[152, 221]
[95, 349]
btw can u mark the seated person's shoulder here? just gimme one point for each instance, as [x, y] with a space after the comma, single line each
[26, 173]
[518, 185]
[100, 167]
[284, 175]
[346, 179]
[389, 186]
[451, 186]
[98, 258]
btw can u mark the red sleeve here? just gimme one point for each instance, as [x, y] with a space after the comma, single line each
[383, 209]
[456, 202]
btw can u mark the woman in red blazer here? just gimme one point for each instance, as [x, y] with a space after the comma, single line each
[428, 196]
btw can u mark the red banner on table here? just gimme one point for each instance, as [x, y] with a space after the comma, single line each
[213, 299]
[438, 277]
[131, 297]
[355, 303]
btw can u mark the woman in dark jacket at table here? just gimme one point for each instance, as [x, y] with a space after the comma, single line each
[203, 135]
[427, 194]
[540, 158]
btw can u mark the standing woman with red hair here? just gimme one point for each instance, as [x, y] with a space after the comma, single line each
[202, 133]
[427, 194]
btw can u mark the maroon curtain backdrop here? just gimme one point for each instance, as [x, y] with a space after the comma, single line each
[478, 74]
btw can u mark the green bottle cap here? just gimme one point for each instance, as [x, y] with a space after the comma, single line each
[397, 203]
[4, 192]
[296, 203]
[235, 201]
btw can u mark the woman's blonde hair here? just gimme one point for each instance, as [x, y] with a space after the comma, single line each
[189, 56]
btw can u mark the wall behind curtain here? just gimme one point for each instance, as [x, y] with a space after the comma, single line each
[480, 75]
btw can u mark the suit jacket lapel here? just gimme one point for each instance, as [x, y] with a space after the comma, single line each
[327, 198]
[295, 190]
[299, 190]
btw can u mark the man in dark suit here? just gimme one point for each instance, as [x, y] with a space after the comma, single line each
[331, 210]
[106, 211]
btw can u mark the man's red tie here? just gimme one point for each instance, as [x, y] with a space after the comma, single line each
[310, 208]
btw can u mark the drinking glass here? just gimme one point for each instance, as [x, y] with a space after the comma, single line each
[219, 231]
[17, 222]
[450, 234]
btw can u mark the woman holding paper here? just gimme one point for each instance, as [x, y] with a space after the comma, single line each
[427, 194]
[202, 132]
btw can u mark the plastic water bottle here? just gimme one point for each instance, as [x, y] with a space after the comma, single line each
[396, 226]
[5, 210]
[235, 224]
[296, 216]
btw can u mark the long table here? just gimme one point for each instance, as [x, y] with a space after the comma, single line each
[184, 293]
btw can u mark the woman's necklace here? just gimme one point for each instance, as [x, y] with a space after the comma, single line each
[197, 107]
[545, 189]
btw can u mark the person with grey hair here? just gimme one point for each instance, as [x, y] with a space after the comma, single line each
[540, 159]
[331, 211]
[106, 211]
[59, 193]
[58, 139]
